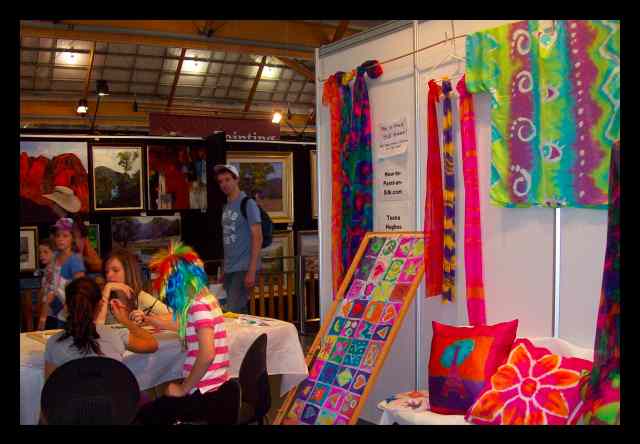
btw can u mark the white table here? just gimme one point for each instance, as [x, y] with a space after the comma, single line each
[412, 408]
[284, 357]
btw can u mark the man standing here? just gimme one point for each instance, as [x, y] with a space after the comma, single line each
[242, 239]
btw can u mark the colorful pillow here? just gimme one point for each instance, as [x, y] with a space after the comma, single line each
[534, 387]
[462, 360]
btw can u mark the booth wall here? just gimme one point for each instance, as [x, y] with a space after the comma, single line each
[518, 244]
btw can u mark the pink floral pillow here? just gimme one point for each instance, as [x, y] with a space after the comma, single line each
[534, 387]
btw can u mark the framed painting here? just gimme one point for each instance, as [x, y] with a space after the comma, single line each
[282, 246]
[267, 175]
[358, 331]
[117, 177]
[28, 249]
[53, 180]
[93, 234]
[309, 248]
[145, 235]
[177, 177]
[313, 154]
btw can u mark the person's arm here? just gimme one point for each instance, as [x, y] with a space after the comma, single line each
[206, 355]
[140, 340]
[162, 322]
[256, 244]
[91, 258]
[48, 369]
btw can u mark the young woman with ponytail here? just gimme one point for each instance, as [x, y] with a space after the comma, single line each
[85, 333]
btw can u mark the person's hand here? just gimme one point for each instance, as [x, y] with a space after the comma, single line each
[176, 390]
[137, 316]
[118, 286]
[119, 311]
[250, 279]
[41, 323]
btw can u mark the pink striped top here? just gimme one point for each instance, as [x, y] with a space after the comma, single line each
[205, 313]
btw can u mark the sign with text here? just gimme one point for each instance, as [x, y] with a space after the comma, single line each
[393, 180]
[393, 138]
[393, 216]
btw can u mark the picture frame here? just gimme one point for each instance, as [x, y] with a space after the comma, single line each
[313, 157]
[93, 235]
[309, 247]
[270, 175]
[281, 246]
[28, 248]
[145, 235]
[117, 177]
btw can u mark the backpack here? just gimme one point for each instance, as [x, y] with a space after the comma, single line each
[267, 223]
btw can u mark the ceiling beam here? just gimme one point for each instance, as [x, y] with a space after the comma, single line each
[142, 33]
[87, 81]
[299, 68]
[177, 76]
[247, 105]
[340, 30]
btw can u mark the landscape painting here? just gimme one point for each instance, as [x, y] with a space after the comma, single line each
[28, 248]
[177, 177]
[93, 235]
[144, 235]
[309, 248]
[45, 165]
[117, 178]
[281, 246]
[267, 176]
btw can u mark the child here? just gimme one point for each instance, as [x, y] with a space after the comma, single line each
[46, 251]
[65, 267]
[182, 285]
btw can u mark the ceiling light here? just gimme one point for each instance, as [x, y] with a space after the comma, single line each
[102, 87]
[277, 117]
[83, 107]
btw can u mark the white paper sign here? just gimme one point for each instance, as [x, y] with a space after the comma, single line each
[393, 138]
[393, 181]
[394, 217]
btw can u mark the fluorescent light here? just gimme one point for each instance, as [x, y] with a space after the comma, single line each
[83, 107]
[277, 117]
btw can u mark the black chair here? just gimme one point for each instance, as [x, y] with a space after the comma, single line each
[254, 380]
[90, 391]
[222, 407]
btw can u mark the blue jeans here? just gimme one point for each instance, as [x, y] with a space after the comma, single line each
[237, 293]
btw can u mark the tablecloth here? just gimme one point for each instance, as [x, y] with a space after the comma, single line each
[412, 408]
[284, 357]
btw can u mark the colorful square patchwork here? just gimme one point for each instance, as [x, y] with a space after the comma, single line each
[309, 414]
[405, 248]
[336, 326]
[381, 332]
[304, 389]
[349, 405]
[357, 308]
[394, 270]
[382, 291]
[359, 382]
[389, 247]
[341, 420]
[315, 369]
[319, 394]
[379, 269]
[399, 292]
[294, 414]
[344, 377]
[326, 418]
[352, 360]
[364, 268]
[370, 356]
[418, 248]
[339, 350]
[373, 311]
[355, 291]
[410, 270]
[329, 372]
[364, 330]
[357, 346]
[326, 346]
[375, 245]
[349, 328]
[345, 308]
[335, 398]
[390, 313]
[368, 289]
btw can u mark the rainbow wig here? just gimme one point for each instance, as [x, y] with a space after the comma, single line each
[180, 277]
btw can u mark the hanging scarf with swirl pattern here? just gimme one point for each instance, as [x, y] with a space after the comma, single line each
[449, 286]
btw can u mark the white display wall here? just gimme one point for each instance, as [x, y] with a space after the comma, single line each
[520, 246]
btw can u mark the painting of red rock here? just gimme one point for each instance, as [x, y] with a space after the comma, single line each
[177, 177]
[117, 178]
[45, 165]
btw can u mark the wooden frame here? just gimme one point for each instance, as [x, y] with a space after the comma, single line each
[271, 205]
[287, 236]
[312, 255]
[114, 201]
[397, 324]
[313, 156]
[28, 248]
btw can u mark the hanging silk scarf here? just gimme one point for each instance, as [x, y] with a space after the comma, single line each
[331, 97]
[555, 109]
[433, 212]
[449, 284]
[357, 194]
[601, 391]
[472, 219]
[345, 137]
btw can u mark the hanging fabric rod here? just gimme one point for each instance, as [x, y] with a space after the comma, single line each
[416, 51]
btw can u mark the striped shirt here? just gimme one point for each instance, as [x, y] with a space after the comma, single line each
[206, 313]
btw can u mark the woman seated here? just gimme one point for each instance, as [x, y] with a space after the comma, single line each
[122, 273]
[85, 333]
